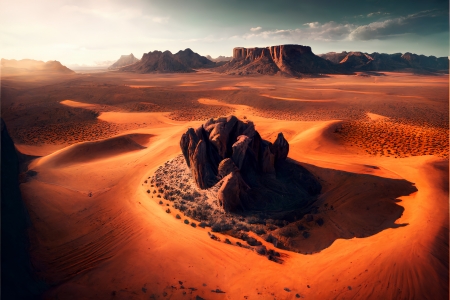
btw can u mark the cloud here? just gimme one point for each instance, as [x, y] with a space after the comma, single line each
[315, 31]
[424, 22]
[255, 28]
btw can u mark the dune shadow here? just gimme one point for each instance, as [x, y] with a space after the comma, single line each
[350, 205]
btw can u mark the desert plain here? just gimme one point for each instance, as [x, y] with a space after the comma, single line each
[90, 144]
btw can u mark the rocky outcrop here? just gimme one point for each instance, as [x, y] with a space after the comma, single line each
[293, 60]
[253, 174]
[184, 61]
[123, 61]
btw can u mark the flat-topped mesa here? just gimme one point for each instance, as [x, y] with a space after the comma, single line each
[231, 151]
[292, 60]
[275, 52]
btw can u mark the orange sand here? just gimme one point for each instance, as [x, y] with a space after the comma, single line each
[97, 234]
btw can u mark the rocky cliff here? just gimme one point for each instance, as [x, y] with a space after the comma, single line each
[253, 174]
[123, 61]
[293, 60]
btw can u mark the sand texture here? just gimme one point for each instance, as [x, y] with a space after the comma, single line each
[102, 228]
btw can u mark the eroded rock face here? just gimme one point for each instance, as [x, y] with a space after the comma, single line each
[231, 151]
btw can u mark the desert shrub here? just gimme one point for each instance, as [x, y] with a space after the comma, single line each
[202, 224]
[261, 250]
[186, 221]
[148, 191]
[256, 220]
[193, 224]
[288, 231]
[300, 227]
[319, 221]
[253, 242]
[259, 230]
[227, 241]
[306, 234]
[168, 210]
[273, 253]
[221, 226]
[178, 216]
[160, 202]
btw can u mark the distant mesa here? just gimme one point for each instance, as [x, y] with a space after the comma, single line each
[25, 66]
[123, 61]
[184, 61]
[252, 174]
[292, 60]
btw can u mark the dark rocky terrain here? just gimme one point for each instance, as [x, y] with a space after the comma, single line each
[123, 61]
[252, 173]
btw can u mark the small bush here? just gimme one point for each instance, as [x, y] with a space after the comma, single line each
[193, 224]
[168, 210]
[178, 216]
[306, 234]
[261, 250]
[253, 242]
[186, 221]
[319, 221]
[288, 231]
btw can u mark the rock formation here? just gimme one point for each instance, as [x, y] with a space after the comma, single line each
[253, 174]
[123, 61]
[184, 61]
[293, 60]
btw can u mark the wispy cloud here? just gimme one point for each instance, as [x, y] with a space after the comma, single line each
[333, 31]
[256, 28]
[413, 23]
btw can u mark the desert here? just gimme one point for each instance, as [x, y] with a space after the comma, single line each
[96, 151]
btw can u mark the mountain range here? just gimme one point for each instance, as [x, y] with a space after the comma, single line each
[15, 67]
[184, 61]
[359, 61]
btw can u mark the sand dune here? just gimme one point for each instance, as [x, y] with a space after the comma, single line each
[294, 99]
[91, 151]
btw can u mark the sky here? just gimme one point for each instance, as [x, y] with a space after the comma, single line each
[96, 33]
